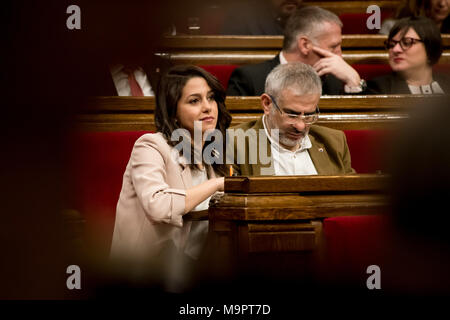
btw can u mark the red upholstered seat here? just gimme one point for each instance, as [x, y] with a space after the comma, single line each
[353, 243]
[356, 23]
[442, 68]
[97, 162]
[369, 71]
[221, 71]
[367, 148]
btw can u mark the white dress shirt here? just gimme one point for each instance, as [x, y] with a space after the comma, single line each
[192, 243]
[282, 58]
[199, 229]
[122, 85]
[432, 88]
[290, 163]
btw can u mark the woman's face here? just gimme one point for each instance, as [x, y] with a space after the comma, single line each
[439, 10]
[197, 104]
[413, 58]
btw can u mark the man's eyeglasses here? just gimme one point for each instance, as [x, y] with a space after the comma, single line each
[405, 43]
[307, 118]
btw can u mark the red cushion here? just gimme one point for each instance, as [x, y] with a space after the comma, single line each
[369, 71]
[367, 148]
[442, 68]
[221, 71]
[97, 162]
[355, 242]
[356, 23]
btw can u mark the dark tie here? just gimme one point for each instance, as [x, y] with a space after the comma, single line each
[136, 90]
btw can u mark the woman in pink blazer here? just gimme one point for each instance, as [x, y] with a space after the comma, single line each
[166, 177]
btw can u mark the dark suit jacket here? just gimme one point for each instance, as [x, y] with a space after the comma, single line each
[250, 80]
[329, 151]
[393, 83]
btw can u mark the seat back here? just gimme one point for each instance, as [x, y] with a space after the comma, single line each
[367, 148]
[352, 243]
[369, 71]
[96, 164]
[356, 23]
[221, 71]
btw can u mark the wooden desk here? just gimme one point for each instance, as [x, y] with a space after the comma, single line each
[267, 43]
[263, 215]
[241, 50]
[339, 112]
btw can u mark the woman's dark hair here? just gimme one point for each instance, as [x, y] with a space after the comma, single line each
[170, 89]
[428, 32]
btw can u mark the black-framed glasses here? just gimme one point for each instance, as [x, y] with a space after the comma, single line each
[405, 43]
[307, 118]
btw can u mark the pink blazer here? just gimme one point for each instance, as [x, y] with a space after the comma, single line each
[152, 200]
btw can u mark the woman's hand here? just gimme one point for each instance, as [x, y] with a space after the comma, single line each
[199, 193]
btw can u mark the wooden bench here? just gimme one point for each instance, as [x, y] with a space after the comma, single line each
[340, 112]
[240, 50]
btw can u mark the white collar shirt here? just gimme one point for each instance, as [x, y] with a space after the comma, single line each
[289, 163]
[282, 58]
[122, 85]
[433, 88]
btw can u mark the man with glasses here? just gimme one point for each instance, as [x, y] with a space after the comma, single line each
[313, 36]
[287, 130]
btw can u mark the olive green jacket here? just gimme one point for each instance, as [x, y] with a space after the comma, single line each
[329, 151]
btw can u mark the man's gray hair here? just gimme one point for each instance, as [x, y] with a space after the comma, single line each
[309, 22]
[295, 75]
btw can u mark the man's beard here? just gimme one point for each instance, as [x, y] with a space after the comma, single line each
[290, 141]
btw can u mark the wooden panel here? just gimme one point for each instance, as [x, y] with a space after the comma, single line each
[97, 105]
[251, 57]
[115, 122]
[243, 50]
[310, 197]
[339, 112]
[284, 214]
[263, 207]
[274, 43]
[282, 241]
[289, 184]
[145, 122]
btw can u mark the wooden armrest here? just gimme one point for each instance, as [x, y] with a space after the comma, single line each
[196, 215]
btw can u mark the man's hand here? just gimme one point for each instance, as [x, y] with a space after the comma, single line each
[334, 64]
